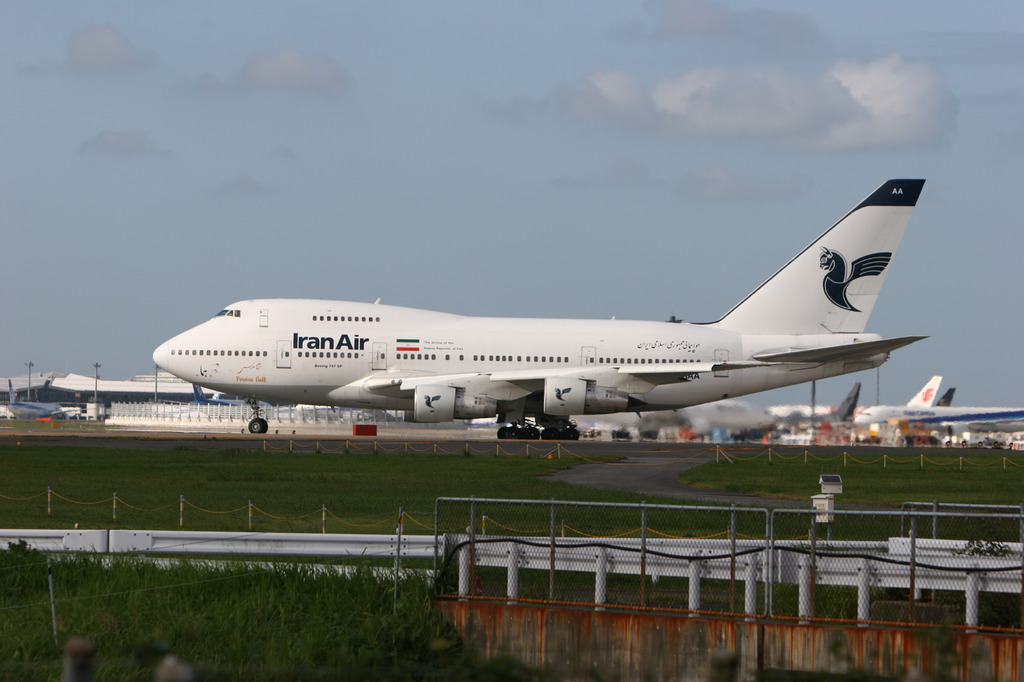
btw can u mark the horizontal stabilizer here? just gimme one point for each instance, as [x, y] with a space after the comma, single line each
[849, 351]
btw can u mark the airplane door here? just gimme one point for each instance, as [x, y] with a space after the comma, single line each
[284, 354]
[380, 355]
[721, 355]
[264, 317]
[588, 355]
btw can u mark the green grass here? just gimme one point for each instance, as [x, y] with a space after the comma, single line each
[236, 623]
[362, 492]
[868, 479]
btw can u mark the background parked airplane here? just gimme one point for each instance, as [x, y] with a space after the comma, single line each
[801, 325]
[984, 419]
[29, 410]
[217, 399]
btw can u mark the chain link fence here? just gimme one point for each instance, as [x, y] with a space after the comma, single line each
[901, 566]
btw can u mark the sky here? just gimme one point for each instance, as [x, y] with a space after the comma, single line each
[160, 160]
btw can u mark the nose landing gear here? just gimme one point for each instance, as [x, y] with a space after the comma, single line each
[257, 424]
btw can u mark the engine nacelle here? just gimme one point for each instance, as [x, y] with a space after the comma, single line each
[604, 400]
[434, 403]
[474, 406]
[568, 396]
[564, 395]
[438, 403]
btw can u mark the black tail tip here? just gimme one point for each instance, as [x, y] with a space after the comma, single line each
[895, 193]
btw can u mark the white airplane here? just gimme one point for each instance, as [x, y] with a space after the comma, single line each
[802, 324]
[923, 410]
[26, 410]
[927, 395]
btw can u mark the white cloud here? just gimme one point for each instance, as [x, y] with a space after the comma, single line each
[132, 143]
[772, 31]
[283, 71]
[622, 173]
[102, 49]
[609, 95]
[886, 103]
[242, 184]
[717, 183]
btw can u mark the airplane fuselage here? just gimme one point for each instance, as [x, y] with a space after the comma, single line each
[973, 418]
[329, 353]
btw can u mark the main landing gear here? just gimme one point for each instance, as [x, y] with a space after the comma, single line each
[565, 430]
[257, 424]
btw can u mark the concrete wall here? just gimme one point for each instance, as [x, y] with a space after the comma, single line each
[581, 644]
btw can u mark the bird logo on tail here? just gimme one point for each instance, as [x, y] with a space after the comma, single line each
[837, 280]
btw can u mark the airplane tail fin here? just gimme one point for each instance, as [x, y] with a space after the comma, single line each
[844, 412]
[947, 398]
[197, 395]
[12, 398]
[832, 285]
[926, 396]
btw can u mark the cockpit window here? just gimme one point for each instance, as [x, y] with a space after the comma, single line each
[229, 313]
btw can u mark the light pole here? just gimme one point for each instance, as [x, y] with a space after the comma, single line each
[29, 365]
[96, 389]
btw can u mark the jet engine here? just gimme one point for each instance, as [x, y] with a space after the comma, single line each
[568, 396]
[437, 403]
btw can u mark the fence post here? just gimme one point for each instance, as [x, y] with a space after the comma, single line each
[693, 591]
[1020, 524]
[471, 555]
[512, 580]
[971, 593]
[750, 591]
[769, 578]
[53, 600]
[181, 511]
[115, 506]
[864, 593]
[913, 567]
[250, 514]
[49, 501]
[732, 560]
[601, 579]
[323, 519]
[551, 568]
[804, 607]
[398, 554]
[78, 655]
[643, 553]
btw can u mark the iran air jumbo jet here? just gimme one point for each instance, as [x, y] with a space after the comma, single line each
[804, 323]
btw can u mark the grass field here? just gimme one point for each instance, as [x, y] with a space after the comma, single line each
[245, 623]
[362, 492]
[873, 477]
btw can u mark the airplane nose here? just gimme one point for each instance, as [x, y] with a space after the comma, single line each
[160, 356]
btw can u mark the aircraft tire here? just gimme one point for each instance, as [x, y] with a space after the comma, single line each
[258, 426]
[531, 433]
[503, 433]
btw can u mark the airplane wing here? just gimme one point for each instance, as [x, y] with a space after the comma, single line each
[512, 384]
[850, 351]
